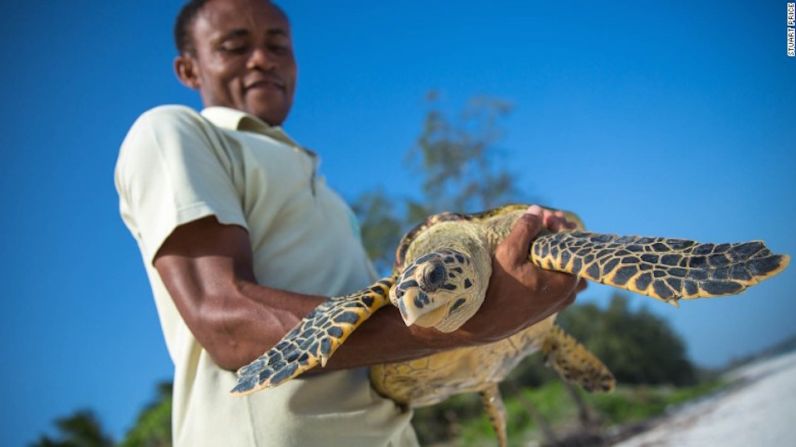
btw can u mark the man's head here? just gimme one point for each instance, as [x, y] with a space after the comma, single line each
[238, 54]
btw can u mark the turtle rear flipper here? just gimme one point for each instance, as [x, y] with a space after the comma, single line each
[574, 363]
[666, 269]
[493, 404]
[313, 340]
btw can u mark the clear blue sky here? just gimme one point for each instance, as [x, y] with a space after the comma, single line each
[643, 117]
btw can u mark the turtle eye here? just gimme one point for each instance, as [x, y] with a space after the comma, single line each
[433, 276]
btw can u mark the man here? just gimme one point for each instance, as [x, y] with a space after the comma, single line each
[241, 240]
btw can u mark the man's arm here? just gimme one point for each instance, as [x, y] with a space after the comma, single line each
[207, 269]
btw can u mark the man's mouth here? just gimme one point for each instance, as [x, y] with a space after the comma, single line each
[265, 84]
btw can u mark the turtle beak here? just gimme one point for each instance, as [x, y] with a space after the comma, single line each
[417, 309]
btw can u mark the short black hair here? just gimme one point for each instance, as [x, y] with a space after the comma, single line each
[182, 27]
[188, 13]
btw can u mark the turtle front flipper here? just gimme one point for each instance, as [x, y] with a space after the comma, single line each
[666, 269]
[313, 340]
[574, 363]
[493, 404]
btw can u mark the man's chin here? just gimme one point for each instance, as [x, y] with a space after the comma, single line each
[268, 104]
[268, 114]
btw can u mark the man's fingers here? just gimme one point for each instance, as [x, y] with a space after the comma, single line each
[570, 299]
[553, 222]
[557, 221]
[567, 302]
[558, 284]
[518, 242]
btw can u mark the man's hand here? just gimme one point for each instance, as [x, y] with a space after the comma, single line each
[519, 293]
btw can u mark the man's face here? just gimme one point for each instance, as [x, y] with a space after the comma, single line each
[243, 58]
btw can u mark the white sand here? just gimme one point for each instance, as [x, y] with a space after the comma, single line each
[760, 413]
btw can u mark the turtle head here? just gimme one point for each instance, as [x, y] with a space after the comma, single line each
[438, 290]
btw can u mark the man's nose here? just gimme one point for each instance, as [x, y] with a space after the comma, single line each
[261, 58]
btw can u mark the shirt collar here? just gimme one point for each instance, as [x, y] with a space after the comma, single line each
[236, 120]
[233, 119]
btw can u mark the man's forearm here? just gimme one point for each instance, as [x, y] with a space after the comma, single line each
[382, 338]
[207, 269]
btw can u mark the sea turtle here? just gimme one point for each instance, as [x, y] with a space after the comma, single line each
[440, 278]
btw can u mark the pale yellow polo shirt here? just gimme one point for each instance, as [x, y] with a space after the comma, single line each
[176, 166]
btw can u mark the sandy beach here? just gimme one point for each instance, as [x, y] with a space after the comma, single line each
[758, 410]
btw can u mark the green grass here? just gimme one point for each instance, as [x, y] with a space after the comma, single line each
[625, 405]
[632, 404]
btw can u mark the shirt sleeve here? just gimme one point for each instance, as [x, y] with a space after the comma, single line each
[173, 168]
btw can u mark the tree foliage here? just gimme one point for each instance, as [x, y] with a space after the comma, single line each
[80, 429]
[153, 426]
[638, 346]
[457, 160]
[380, 227]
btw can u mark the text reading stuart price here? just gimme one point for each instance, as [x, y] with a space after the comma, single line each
[791, 14]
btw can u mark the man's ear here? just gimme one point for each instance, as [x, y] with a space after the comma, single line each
[185, 68]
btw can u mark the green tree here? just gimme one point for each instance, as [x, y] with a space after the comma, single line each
[380, 227]
[457, 161]
[638, 347]
[80, 429]
[153, 426]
